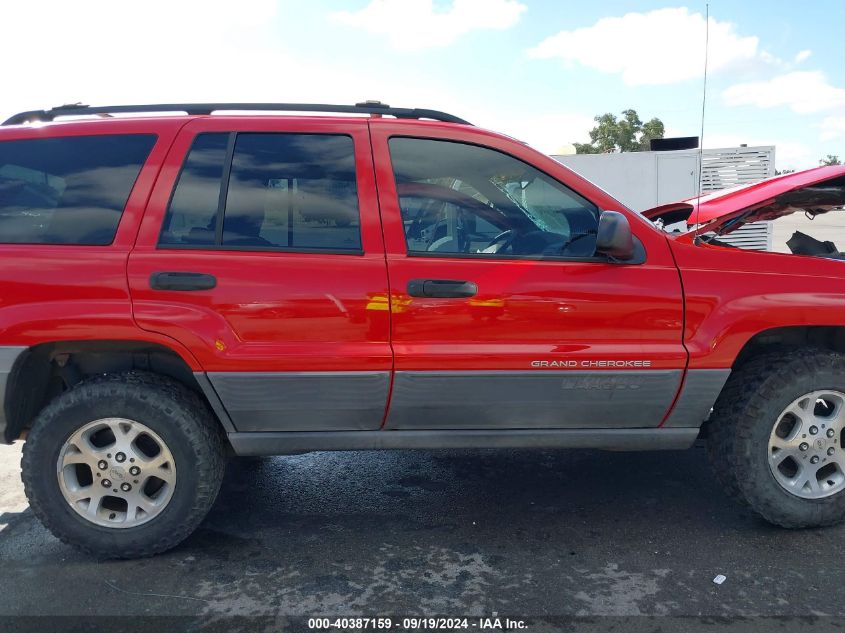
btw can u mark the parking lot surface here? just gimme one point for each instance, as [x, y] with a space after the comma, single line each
[473, 533]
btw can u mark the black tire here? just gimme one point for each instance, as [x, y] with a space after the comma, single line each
[171, 410]
[742, 422]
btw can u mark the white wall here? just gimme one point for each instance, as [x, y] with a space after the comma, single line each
[640, 180]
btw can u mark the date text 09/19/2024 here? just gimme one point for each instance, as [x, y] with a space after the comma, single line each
[418, 623]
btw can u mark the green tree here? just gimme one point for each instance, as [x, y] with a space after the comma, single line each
[830, 159]
[625, 134]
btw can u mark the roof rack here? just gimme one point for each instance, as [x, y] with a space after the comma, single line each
[365, 107]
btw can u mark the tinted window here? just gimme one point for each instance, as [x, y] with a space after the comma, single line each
[192, 216]
[284, 191]
[292, 191]
[68, 190]
[464, 199]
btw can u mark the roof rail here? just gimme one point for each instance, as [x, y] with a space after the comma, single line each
[365, 107]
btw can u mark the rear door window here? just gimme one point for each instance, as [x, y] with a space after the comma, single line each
[273, 191]
[68, 190]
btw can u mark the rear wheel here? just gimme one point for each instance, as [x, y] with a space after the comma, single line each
[776, 437]
[124, 465]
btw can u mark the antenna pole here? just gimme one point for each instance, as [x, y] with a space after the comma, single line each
[703, 106]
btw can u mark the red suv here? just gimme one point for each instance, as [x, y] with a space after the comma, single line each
[181, 287]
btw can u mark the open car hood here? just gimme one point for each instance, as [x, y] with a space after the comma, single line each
[813, 191]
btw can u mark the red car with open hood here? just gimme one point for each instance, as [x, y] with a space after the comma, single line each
[182, 282]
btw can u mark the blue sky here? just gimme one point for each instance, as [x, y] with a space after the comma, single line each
[538, 70]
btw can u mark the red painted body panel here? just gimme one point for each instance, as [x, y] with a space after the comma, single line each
[270, 311]
[733, 294]
[62, 293]
[527, 310]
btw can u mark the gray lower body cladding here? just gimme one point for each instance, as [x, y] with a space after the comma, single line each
[447, 401]
[697, 397]
[531, 399]
[607, 439]
[304, 401]
[432, 410]
[8, 356]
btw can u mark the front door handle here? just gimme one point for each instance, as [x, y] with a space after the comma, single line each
[442, 288]
[182, 281]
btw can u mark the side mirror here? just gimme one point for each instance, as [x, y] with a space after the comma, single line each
[614, 237]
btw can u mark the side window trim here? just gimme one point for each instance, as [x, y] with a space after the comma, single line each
[261, 249]
[224, 188]
[221, 205]
[639, 257]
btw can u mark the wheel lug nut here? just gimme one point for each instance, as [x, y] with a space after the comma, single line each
[125, 487]
[814, 459]
[120, 457]
[102, 464]
[804, 446]
[814, 430]
[134, 471]
[830, 433]
[830, 451]
[106, 483]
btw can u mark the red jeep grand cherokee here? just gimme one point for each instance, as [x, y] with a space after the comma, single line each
[181, 287]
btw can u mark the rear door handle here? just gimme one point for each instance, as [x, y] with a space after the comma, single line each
[442, 288]
[182, 281]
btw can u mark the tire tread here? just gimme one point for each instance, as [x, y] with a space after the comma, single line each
[740, 410]
[186, 410]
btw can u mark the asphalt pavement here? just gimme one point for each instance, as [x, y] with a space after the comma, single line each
[463, 533]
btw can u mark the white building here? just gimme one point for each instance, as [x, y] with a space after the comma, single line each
[642, 180]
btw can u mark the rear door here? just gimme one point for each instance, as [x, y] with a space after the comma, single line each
[503, 317]
[261, 251]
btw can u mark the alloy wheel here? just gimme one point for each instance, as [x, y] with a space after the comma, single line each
[116, 472]
[805, 445]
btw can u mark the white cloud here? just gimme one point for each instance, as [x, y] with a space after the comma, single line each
[659, 47]
[94, 52]
[803, 92]
[413, 25]
[832, 127]
[803, 56]
[189, 51]
[545, 132]
[201, 50]
[792, 155]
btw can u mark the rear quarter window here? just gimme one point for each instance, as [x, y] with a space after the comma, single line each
[68, 190]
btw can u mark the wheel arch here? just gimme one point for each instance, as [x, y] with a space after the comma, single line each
[42, 372]
[781, 339]
[787, 338]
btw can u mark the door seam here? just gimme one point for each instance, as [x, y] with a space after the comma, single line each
[389, 287]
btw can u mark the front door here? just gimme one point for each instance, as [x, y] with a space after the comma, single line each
[503, 315]
[261, 252]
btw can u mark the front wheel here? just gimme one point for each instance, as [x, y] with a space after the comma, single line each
[124, 465]
[776, 437]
